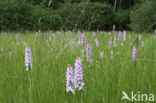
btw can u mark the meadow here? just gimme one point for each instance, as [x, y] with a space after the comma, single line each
[105, 79]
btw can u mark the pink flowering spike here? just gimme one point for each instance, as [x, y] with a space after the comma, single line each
[112, 55]
[70, 79]
[124, 35]
[94, 35]
[89, 53]
[56, 57]
[10, 53]
[119, 35]
[135, 53]
[78, 74]
[155, 34]
[97, 42]
[28, 58]
[114, 42]
[110, 42]
[83, 39]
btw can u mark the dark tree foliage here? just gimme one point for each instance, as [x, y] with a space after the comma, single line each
[120, 4]
[143, 16]
[77, 14]
[88, 16]
[122, 19]
[14, 15]
[34, 2]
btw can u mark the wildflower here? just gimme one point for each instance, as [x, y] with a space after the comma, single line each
[135, 53]
[56, 57]
[110, 42]
[114, 42]
[119, 35]
[28, 58]
[70, 79]
[78, 74]
[94, 35]
[155, 34]
[112, 56]
[124, 35]
[83, 39]
[89, 53]
[10, 53]
[97, 42]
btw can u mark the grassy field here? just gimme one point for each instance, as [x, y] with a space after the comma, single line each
[51, 54]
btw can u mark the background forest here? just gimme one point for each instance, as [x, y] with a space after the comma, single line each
[138, 15]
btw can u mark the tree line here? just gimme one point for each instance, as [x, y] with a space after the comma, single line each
[77, 14]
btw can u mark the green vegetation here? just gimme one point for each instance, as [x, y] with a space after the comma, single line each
[104, 81]
[143, 16]
[22, 15]
[61, 25]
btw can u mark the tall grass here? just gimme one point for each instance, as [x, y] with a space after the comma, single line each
[104, 81]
